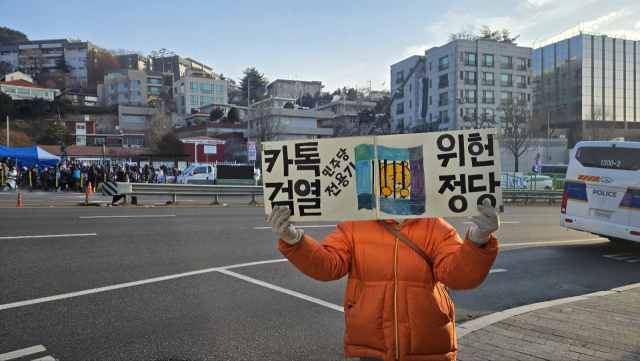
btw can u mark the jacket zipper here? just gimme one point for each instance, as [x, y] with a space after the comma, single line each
[395, 293]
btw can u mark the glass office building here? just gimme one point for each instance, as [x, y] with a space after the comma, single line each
[592, 76]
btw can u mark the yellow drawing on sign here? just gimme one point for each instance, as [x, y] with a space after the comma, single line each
[396, 179]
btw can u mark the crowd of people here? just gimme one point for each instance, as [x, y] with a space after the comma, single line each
[77, 177]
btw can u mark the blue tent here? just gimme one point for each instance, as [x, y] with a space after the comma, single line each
[29, 156]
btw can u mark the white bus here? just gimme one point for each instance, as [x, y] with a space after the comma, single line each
[602, 190]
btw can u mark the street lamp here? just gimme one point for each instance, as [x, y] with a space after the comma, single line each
[549, 112]
[249, 108]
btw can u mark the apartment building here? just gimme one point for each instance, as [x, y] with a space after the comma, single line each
[586, 78]
[178, 66]
[74, 51]
[196, 89]
[345, 115]
[461, 85]
[293, 88]
[135, 62]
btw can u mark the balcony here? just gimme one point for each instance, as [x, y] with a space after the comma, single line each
[443, 84]
[444, 120]
[488, 64]
[470, 81]
[488, 100]
[521, 102]
[506, 83]
[488, 82]
[521, 67]
[399, 111]
[443, 66]
[470, 62]
[506, 65]
[521, 85]
[506, 101]
[470, 100]
[443, 102]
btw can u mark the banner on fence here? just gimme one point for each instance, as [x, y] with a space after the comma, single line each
[512, 180]
[380, 177]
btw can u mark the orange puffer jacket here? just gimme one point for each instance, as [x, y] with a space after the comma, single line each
[394, 307]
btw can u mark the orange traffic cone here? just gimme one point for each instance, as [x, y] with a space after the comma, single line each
[89, 189]
[86, 199]
[19, 200]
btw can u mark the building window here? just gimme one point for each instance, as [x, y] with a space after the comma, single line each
[133, 118]
[443, 99]
[400, 108]
[443, 63]
[289, 94]
[487, 79]
[521, 64]
[487, 97]
[488, 114]
[206, 100]
[154, 81]
[470, 77]
[506, 62]
[280, 85]
[521, 81]
[154, 89]
[206, 88]
[280, 94]
[470, 113]
[487, 60]
[285, 121]
[219, 90]
[505, 80]
[289, 86]
[122, 87]
[470, 96]
[399, 77]
[99, 141]
[505, 98]
[443, 81]
[521, 99]
[136, 96]
[306, 87]
[194, 87]
[315, 87]
[123, 98]
[220, 100]
[470, 59]
[194, 100]
[443, 116]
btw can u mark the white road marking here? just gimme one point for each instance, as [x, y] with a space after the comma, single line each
[53, 235]
[148, 216]
[284, 290]
[22, 353]
[632, 257]
[129, 284]
[46, 358]
[497, 270]
[501, 222]
[552, 242]
[299, 226]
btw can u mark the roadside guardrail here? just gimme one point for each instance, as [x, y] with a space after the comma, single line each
[531, 196]
[175, 190]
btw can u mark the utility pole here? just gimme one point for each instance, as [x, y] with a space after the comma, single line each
[7, 130]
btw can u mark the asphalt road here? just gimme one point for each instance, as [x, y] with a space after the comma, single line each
[143, 283]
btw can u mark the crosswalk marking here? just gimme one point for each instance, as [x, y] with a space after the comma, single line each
[21, 353]
[631, 257]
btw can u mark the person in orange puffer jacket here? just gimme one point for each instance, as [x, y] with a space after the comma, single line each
[395, 307]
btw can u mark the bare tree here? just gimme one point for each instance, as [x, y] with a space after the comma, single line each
[467, 32]
[265, 124]
[31, 62]
[519, 127]
[97, 62]
[162, 53]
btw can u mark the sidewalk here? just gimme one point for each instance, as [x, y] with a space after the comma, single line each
[599, 326]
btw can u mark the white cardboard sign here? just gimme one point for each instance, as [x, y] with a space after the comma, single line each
[441, 174]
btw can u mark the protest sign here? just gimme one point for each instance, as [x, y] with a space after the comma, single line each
[423, 175]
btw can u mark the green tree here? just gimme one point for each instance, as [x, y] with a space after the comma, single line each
[6, 107]
[216, 114]
[233, 116]
[10, 36]
[63, 65]
[258, 84]
[352, 94]
[56, 133]
[199, 121]
[504, 35]
[170, 144]
[288, 105]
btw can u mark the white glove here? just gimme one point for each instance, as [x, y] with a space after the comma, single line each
[486, 223]
[280, 225]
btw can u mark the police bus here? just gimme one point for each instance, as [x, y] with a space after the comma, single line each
[602, 190]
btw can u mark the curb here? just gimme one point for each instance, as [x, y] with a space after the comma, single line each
[474, 325]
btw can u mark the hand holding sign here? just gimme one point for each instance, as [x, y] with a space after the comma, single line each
[486, 223]
[280, 225]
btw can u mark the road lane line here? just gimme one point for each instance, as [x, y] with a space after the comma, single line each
[299, 226]
[552, 242]
[497, 270]
[46, 358]
[22, 353]
[129, 284]
[148, 216]
[53, 235]
[501, 222]
[284, 290]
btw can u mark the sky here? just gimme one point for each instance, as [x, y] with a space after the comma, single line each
[341, 43]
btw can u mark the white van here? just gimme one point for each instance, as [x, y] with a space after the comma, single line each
[602, 190]
[197, 174]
